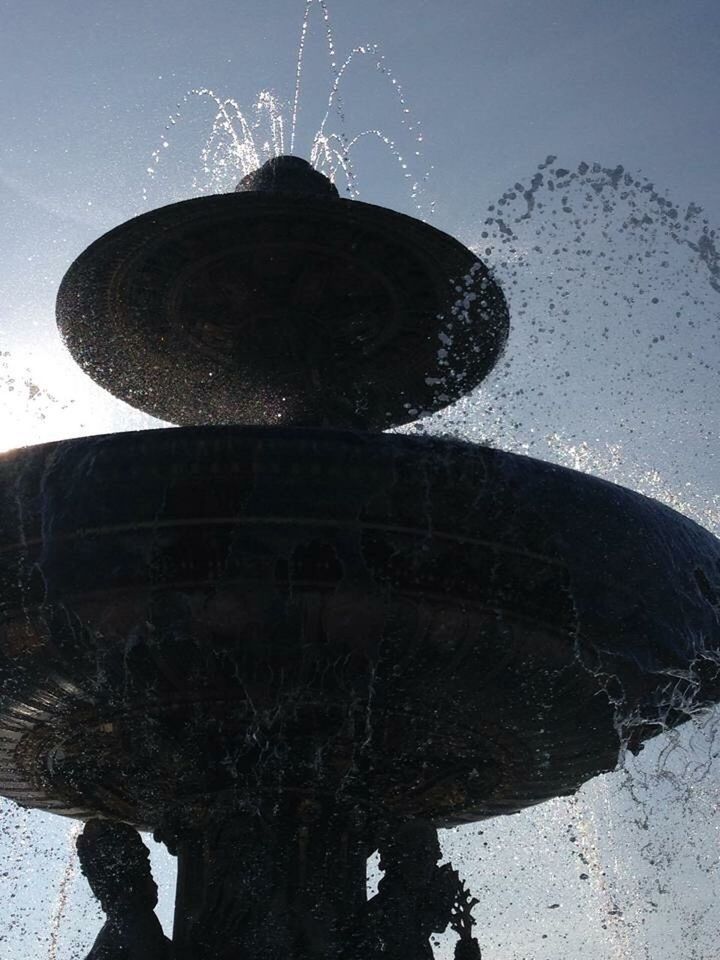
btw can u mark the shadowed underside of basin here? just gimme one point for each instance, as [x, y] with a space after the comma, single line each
[212, 619]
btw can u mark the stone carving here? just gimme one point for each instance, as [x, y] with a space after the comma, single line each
[462, 922]
[116, 864]
[415, 899]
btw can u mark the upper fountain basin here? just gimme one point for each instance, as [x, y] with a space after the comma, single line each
[282, 304]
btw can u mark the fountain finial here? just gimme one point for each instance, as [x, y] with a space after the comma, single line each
[288, 175]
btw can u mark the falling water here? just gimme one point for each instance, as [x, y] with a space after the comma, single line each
[330, 41]
[61, 901]
[330, 152]
[613, 290]
[601, 264]
[241, 139]
[15, 843]
[27, 407]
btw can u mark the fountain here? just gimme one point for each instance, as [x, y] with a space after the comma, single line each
[281, 640]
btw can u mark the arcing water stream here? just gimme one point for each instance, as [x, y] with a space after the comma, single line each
[242, 138]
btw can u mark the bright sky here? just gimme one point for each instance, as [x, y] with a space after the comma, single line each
[612, 365]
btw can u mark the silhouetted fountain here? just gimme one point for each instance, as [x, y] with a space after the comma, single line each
[282, 641]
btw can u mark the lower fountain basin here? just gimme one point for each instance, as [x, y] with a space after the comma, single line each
[214, 617]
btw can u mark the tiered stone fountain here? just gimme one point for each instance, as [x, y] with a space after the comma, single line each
[281, 639]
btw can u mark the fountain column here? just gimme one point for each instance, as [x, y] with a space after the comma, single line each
[282, 882]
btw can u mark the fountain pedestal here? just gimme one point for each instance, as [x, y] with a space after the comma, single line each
[281, 882]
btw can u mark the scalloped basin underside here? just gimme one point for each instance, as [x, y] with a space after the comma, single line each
[218, 616]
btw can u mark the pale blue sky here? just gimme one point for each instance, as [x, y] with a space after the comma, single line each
[612, 365]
